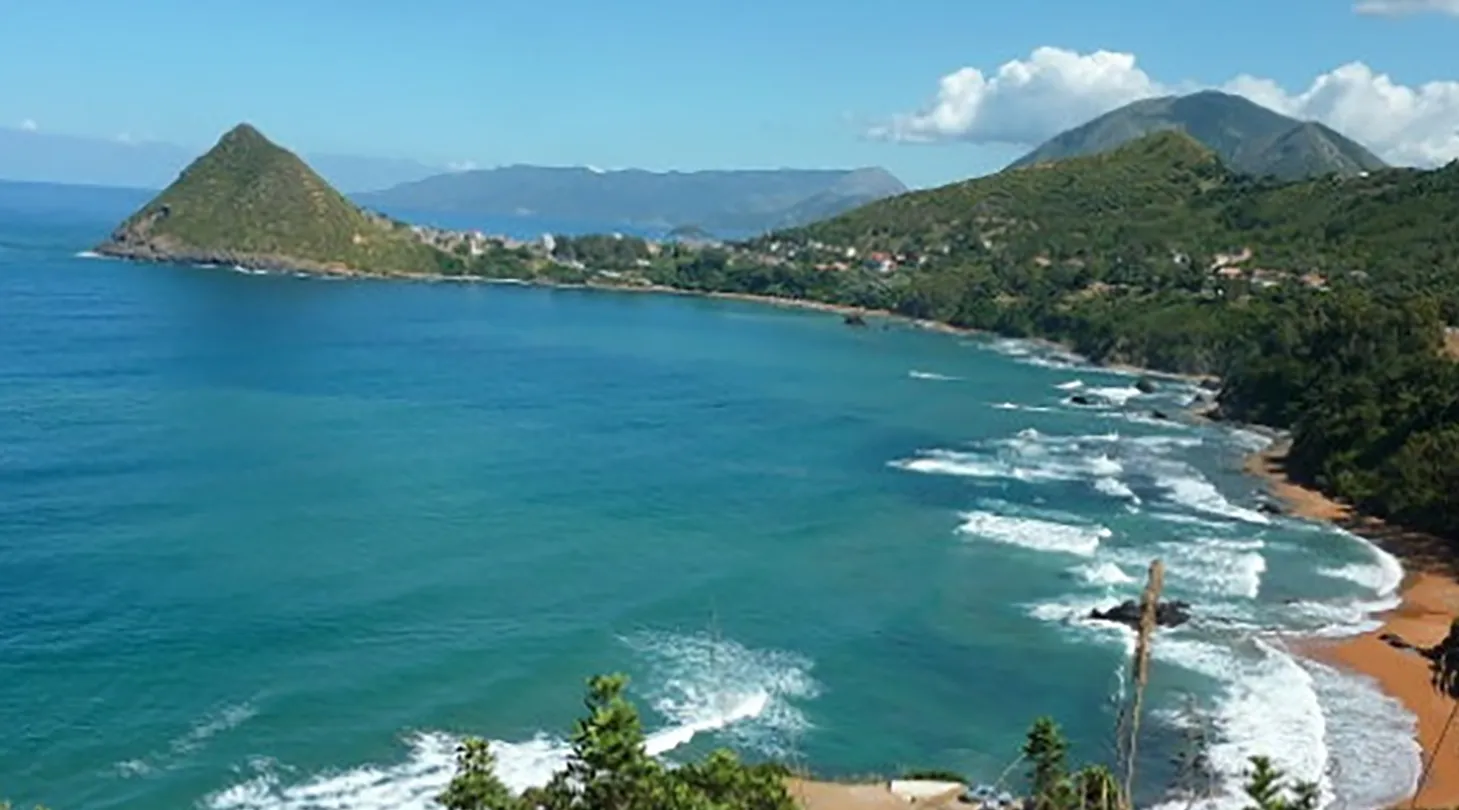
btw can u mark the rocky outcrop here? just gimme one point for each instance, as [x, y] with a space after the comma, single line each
[854, 319]
[1167, 614]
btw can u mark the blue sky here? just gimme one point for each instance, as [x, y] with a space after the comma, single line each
[707, 84]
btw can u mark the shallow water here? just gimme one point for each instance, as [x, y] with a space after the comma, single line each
[269, 542]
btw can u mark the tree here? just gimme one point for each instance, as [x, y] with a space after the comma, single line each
[1266, 790]
[475, 785]
[608, 769]
[1046, 750]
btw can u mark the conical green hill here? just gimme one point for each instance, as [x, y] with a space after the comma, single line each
[250, 202]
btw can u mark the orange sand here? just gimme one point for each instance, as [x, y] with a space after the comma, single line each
[1430, 602]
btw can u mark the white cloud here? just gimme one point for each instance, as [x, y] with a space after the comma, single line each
[1027, 101]
[29, 125]
[462, 166]
[1395, 8]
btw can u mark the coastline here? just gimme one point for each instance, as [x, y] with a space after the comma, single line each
[268, 265]
[1429, 602]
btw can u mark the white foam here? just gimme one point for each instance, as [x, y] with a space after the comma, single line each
[1216, 566]
[1072, 385]
[703, 684]
[410, 785]
[1382, 576]
[89, 254]
[698, 683]
[1268, 706]
[1249, 440]
[1115, 488]
[1104, 573]
[1191, 490]
[929, 375]
[1115, 395]
[1014, 406]
[1032, 533]
[1371, 740]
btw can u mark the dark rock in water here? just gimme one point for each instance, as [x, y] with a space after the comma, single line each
[1145, 385]
[1161, 415]
[1167, 614]
[1080, 399]
[1211, 384]
[1269, 507]
[854, 319]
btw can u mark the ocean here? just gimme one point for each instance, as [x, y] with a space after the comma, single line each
[274, 543]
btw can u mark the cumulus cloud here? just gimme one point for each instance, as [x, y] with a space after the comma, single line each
[1396, 8]
[29, 125]
[1029, 100]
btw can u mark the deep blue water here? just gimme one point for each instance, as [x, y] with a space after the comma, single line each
[269, 542]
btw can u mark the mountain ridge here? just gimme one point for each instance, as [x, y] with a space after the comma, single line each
[1248, 137]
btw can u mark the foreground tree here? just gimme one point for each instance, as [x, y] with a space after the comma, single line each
[609, 769]
[1267, 792]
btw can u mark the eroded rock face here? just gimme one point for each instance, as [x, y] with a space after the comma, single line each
[1173, 613]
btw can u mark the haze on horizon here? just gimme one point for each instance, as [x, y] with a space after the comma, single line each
[933, 91]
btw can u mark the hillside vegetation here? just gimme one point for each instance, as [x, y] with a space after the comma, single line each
[1322, 302]
[1248, 137]
[248, 201]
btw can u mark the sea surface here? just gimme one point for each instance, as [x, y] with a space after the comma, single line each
[274, 543]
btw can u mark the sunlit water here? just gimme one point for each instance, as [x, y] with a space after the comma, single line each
[270, 542]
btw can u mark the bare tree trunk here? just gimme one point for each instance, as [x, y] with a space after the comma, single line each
[1434, 755]
[1149, 601]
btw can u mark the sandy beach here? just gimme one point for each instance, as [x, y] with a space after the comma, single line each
[1430, 601]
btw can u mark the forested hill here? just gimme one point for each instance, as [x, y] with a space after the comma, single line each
[1162, 213]
[1249, 138]
[1322, 302]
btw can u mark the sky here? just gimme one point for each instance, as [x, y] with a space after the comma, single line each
[933, 90]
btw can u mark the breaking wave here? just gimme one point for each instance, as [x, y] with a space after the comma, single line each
[1033, 533]
[696, 683]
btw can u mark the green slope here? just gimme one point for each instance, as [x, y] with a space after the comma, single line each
[1126, 212]
[250, 202]
[1248, 137]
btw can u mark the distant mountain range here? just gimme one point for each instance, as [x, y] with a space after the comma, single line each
[718, 201]
[1248, 137]
[45, 157]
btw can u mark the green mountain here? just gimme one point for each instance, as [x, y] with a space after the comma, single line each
[1248, 137]
[251, 203]
[721, 201]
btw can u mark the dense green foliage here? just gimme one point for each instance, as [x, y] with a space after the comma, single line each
[1372, 404]
[610, 770]
[1248, 137]
[1266, 788]
[248, 197]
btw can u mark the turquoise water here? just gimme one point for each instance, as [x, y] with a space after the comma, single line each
[269, 542]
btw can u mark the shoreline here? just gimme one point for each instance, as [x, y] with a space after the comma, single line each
[1428, 603]
[273, 266]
